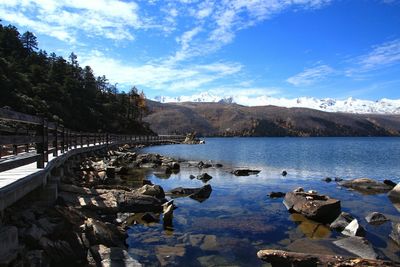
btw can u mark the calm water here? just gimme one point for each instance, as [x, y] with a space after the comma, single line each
[239, 219]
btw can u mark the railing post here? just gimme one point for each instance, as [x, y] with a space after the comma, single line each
[55, 141]
[45, 141]
[62, 140]
[40, 145]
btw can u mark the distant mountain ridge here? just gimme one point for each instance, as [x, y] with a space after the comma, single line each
[350, 105]
[230, 119]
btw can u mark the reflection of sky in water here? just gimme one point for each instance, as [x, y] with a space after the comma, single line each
[239, 219]
[302, 157]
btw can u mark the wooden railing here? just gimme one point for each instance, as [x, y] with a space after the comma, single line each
[39, 138]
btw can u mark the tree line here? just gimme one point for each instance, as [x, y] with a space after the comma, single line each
[37, 83]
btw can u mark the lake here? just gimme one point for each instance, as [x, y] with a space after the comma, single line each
[239, 218]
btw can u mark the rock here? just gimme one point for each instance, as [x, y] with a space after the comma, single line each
[358, 246]
[312, 192]
[101, 175]
[394, 194]
[389, 183]
[341, 222]
[214, 261]
[134, 202]
[366, 186]
[204, 177]
[152, 190]
[376, 218]
[174, 165]
[327, 179]
[218, 165]
[245, 172]
[298, 190]
[354, 229]
[34, 234]
[199, 194]
[107, 234]
[150, 218]
[168, 213]
[59, 251]
[149, 165]
[104, 202]
[192, 177]
[168, 255]
[123, 217]
[113, 257]
[395, 234]
[204, 242]
[321, 208]
[284, 173]
[110, 171]
[202, 165]
[276, 194]
[279, 258]
[338, 179]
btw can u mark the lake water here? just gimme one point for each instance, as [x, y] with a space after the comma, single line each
[239, 218]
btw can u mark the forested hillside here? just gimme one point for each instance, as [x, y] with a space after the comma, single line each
[37, 83]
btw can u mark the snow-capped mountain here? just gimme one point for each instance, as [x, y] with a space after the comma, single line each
[350, 105]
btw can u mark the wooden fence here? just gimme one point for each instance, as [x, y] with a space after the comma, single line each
[41, 138]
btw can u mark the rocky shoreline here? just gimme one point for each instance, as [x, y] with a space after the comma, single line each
[95, 206]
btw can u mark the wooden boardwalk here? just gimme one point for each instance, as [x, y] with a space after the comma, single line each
[45, 148]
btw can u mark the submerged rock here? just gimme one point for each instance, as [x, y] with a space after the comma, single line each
[376, 218]
[284, 173]
[327, 179]
[358, 246]
[366, 186]
[245, 172]
[341, 222]
[316, 207]
[170, 255]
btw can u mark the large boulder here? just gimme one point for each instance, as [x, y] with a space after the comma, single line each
[204, 177]
[313, 206]
[366, 186]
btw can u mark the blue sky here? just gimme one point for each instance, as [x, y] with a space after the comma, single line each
[287, 48]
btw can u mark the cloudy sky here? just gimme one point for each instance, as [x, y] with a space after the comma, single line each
[279, 48]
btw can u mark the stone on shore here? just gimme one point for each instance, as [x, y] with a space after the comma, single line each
[315, 207]
[366, 186]
[112, 257]
[245, 172]
[152, 190]
[276, 194]
[376, 218]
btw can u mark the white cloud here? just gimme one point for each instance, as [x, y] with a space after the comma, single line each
[160, 75]
[112, 19]
[311, 75]
[382, 55]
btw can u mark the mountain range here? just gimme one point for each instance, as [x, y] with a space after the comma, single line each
[225, 118]
[349, 105]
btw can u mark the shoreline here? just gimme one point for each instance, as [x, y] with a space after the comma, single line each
[97, 209]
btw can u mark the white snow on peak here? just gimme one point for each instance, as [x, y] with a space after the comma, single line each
[349, 105]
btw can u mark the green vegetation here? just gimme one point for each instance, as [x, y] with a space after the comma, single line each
[33, 82]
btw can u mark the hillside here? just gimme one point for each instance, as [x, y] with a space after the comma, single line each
[224, 119]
